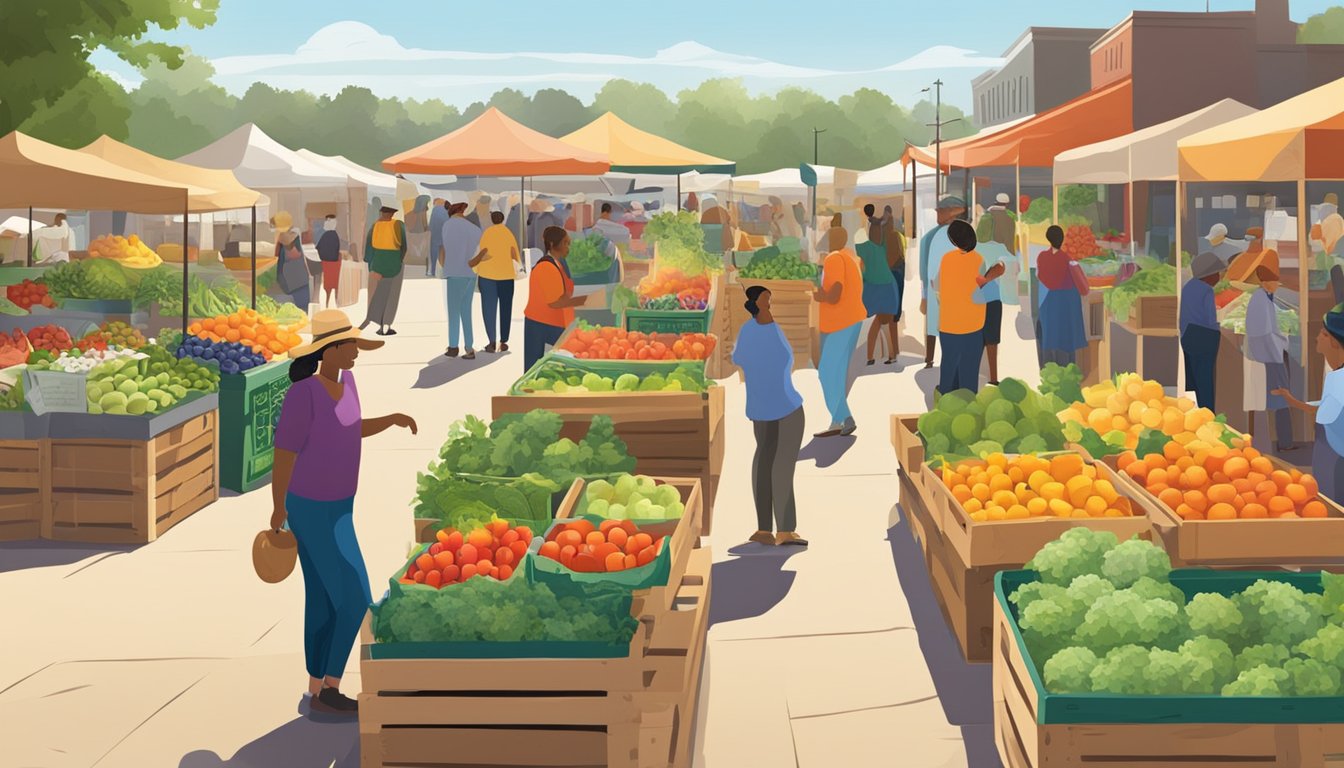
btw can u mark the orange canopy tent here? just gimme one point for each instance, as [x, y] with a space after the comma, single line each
[496, 145]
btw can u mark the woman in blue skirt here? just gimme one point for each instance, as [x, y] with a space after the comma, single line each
[883, 259]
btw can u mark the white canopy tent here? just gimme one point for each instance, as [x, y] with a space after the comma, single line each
[306, 187]
[377, 182]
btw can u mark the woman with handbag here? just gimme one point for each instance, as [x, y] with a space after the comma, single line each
[317, 452]
[291, 267]
[1063, 286]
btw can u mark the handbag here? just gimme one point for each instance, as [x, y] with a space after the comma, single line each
[274, 554]
[292, 274]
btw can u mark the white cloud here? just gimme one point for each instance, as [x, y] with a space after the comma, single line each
[945, 57]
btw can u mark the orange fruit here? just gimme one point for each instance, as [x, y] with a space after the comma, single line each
[1236, 467]
[1253, 511]
[1196, 501]
[1222, 512]
[1309, 482]
[1259, 463]
[1174, 451]
[1296, 494]
[1280, 505]
[1222, 493]
[1171, 497]
[1194, 478]
[1186, 512]
[1124, 460]
[1314, 508]
[1281, 478]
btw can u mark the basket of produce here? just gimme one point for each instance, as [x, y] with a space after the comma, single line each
[130, 252]
[679, 243]
[1129, 413]
[559, 375]
[672, 302]
[594, 261]
[1008, 418]
[494, 550]
[29, 294]
[249, 328]
[1108, 655]
[592, 549]
[769, 265]
[1147, 300]
[590, 342]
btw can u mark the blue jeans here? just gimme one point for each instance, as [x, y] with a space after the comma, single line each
[497, 294]
[833, 370]
[335, 582]
[535, 338]
[461, 293]
[961, 361]
[432, 263]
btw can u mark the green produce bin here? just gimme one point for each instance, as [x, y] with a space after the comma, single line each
[1075, 708]
[249, 408]
[609, 368]
[543, 570]
[668, 320]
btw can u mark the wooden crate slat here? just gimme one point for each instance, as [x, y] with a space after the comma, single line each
[185, 432]
[614, 708]
[186, 509]
[168, 478]
[449, 746]
[172, 458]
[20, 457]
[19, 479]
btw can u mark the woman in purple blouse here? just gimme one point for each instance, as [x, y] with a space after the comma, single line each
[317, 445]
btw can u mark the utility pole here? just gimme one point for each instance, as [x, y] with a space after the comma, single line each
[937, 126]
[816, 158]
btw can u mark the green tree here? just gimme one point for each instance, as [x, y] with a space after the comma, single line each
[93, 107]
[1324, 27]
[176, 111]
[640, 104]
[45, 58]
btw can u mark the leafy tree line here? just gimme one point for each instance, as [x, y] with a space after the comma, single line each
[49, 89]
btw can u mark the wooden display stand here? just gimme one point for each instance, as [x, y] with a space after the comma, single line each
[25, 488]
[962, 556]
[637, 710]
[1243, 543]
[905, 439]
[131, 491]
[670, 434]
[1025, 743]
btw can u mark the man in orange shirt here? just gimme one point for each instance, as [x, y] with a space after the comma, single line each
[961, 319]
[842, 315]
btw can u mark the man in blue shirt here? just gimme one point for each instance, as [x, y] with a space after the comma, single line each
[1200, 335]
[438, 216]
[932, 247]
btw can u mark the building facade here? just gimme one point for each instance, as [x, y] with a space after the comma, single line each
[1181, 62]
[1044, 68]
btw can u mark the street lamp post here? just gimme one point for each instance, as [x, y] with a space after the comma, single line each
[937, 125]
[816, 158]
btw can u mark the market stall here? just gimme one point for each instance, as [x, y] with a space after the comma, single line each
[1145, 165]
[119, 433]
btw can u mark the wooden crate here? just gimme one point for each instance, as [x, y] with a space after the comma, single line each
[670, 434]
[24, 488]
[1012, 543]
[1154, 314]
[905, 438]
[1299, 542]
[915, 509]
[684, 538]
[639, 710]
[795, 312]
[131, 491]
[1024, 743]
[635, 270]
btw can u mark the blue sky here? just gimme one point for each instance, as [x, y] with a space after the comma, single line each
[465, 51]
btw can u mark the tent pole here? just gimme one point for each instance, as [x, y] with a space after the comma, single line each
[1054, 200]
[29, 259]
[1129, 204]
[914, 200]
[1304, 299]
[254, 256]
[186, 269]
[678, 191]
[966, 190]
[1181, 373]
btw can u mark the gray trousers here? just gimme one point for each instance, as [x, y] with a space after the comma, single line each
[383, 304]
[778, 444]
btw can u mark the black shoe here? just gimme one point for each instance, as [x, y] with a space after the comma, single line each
[870, 362]
[452, 352]
[381, 332]
[390, 332]
[503, 346]
[331, 701]
[489, 348]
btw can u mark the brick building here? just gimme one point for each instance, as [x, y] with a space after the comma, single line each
[1043, 68]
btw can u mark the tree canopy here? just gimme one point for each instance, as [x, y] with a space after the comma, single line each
[1324, 27]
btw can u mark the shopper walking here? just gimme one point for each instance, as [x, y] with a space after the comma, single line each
[881, 295]
[291, 268]
[961, 322]
[497, 272]
[438, 216]
[317, 453]
[776, 412]
[841, 318]
[932, 246]
[1267, 345]
[329, 254]
[461, 252]
[386, 249]
[1200, 332]
[550, 300]
[1062, 288]
[1327, 455]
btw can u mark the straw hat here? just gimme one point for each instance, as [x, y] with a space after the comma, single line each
[273, 555]
[1217, 234]
[329, 327]
[283, 220]
[540, 205]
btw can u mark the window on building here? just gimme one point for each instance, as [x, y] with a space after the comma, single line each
[1120, 57]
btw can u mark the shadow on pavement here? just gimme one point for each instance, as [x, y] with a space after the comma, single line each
[442, 370]
[300, 743]
[964, 689]
[927, 379]
[19, 555]
[826, 451]
[750, 584]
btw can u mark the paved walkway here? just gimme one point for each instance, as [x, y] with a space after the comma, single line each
[175, 654]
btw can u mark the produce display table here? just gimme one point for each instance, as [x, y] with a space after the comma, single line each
[1033, 728]
[249, 409]
[635, 709]
[670, 434]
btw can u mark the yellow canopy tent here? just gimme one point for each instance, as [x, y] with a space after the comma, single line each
[225, 191]
[631, 150]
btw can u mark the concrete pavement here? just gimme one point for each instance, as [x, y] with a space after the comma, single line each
[175, 654]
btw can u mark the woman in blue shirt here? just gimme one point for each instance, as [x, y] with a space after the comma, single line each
[776, 412]
[1327, 456]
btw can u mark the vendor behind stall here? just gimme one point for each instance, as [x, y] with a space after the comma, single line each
[1200, 334]
[1327, 457]
[1268, 345]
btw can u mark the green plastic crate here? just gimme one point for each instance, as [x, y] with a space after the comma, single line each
[1112, 708]
[668, 320]
[609, 368]
[249, 409]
